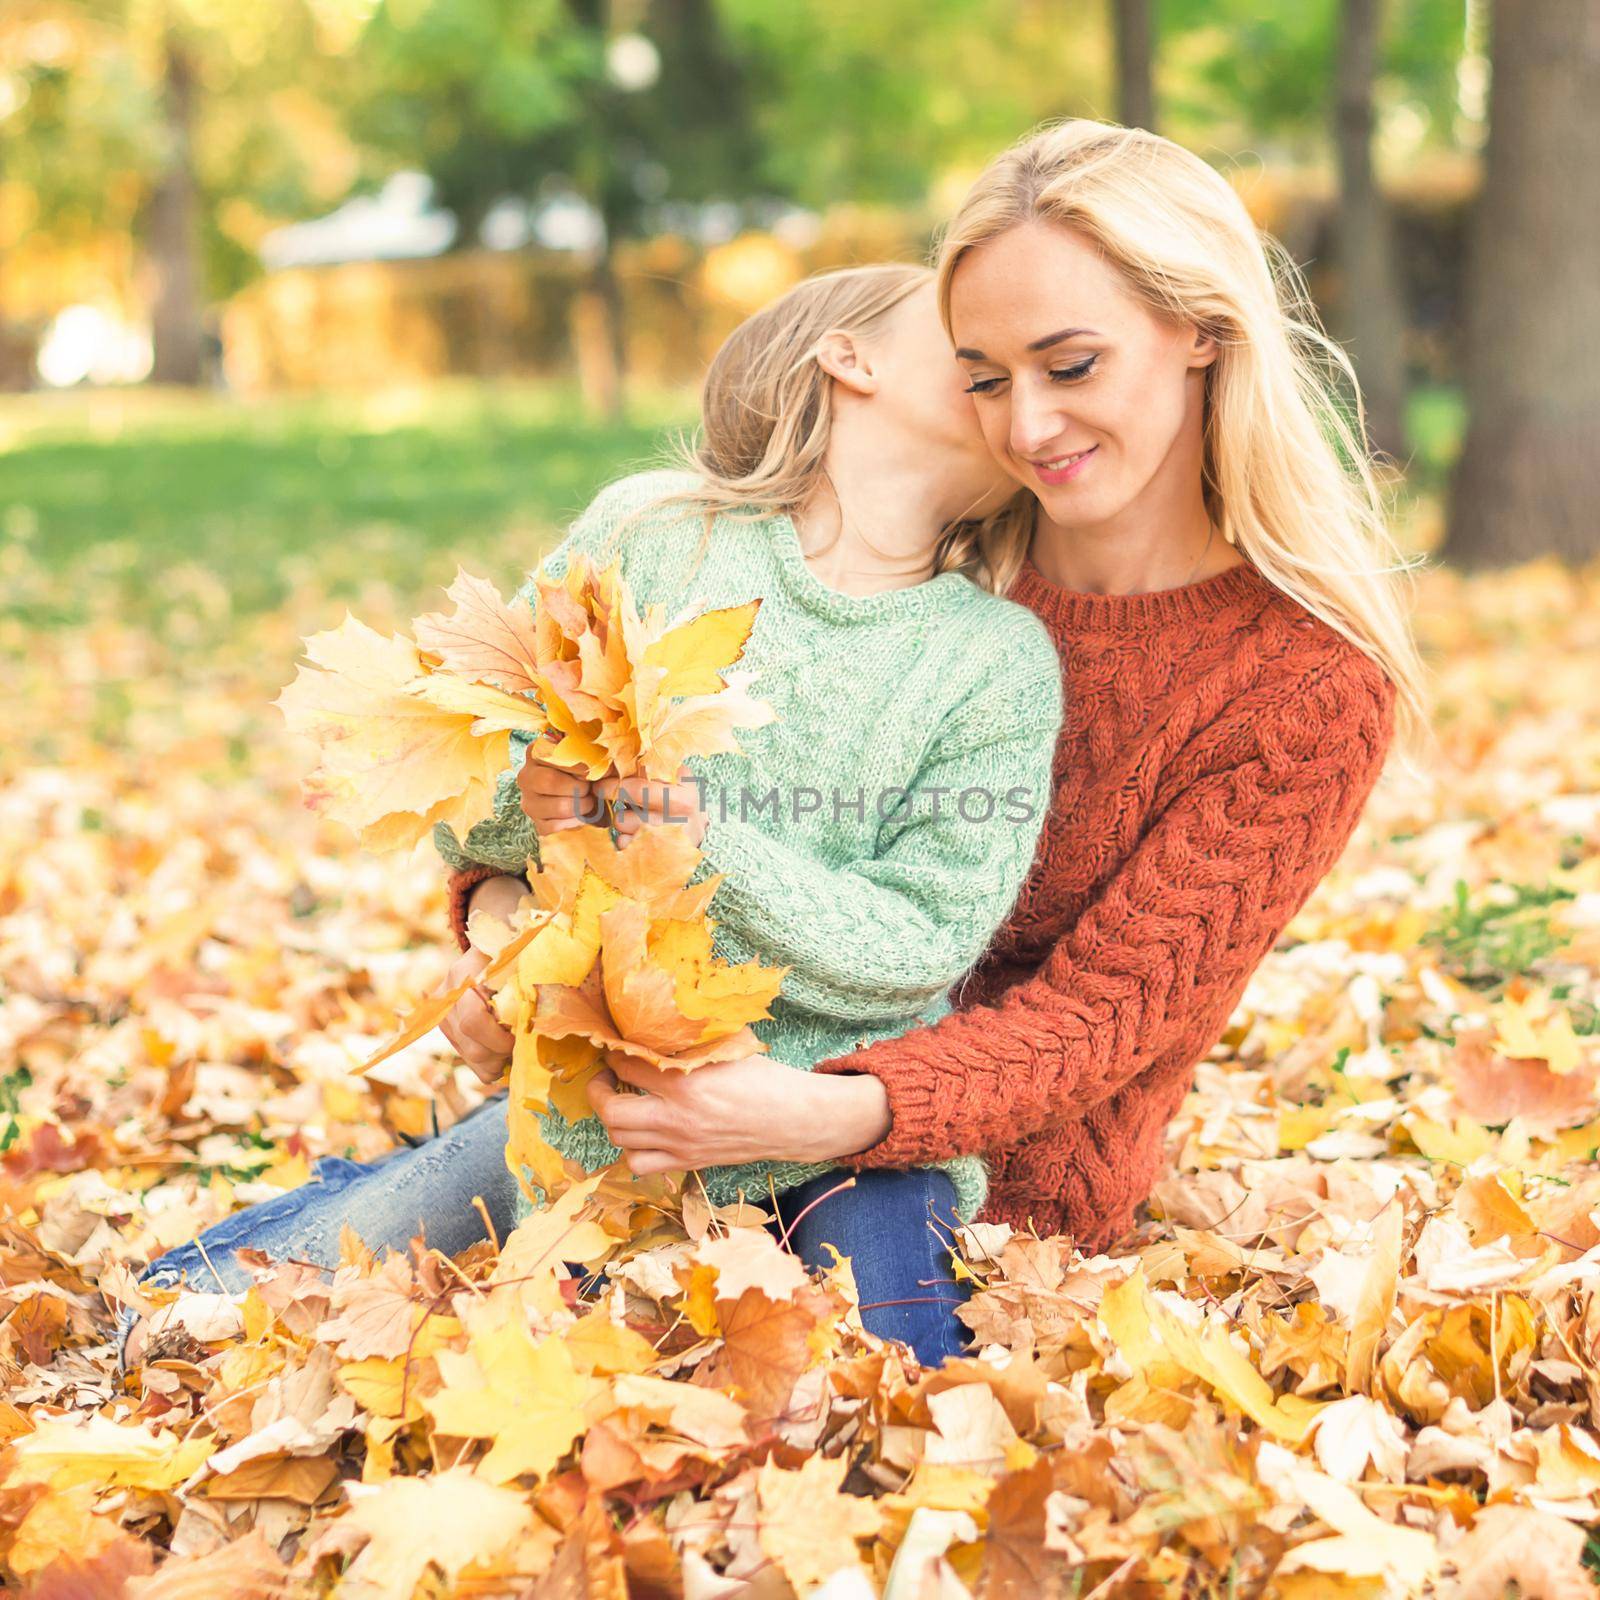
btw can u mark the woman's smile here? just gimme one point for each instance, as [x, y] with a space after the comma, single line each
[1063, 468]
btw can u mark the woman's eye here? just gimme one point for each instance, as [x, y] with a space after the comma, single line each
[1073, 374]
[983, 385]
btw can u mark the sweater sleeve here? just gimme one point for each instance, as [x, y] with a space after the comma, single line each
[1161, 956]
[880, 938]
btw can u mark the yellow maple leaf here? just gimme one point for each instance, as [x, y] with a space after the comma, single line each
[564, 949]
[483, 638]
[807, 1525]
[599, 1345]
[707, 989]
[653, 871]
[524, 1394]
[450, 1520]
[1362, 1543]
[553, 1234]
[631, 693]
[392, 761]
[491, 710]
[64, 1451]
[539, 1170]
[1148, 1334]
[710, 1419]
[1526, 1031]
[63, 1520]
[1460, 1145]
[378, 1383]
[693, 655]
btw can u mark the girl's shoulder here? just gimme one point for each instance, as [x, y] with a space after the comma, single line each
[1010, 637]
[998, 672]
[651, 498]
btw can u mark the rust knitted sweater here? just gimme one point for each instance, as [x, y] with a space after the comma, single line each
[1218, 747]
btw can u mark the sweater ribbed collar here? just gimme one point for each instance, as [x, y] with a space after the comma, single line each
[932, 595]
[1076, 611]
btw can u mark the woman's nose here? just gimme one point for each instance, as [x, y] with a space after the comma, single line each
[1034, 422]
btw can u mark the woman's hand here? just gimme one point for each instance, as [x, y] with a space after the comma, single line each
[650, 804]
[555, 798]
[750, 1109]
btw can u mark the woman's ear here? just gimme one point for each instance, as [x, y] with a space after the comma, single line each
[841, 355]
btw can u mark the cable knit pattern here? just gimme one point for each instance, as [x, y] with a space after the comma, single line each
[1218, 747]
[875, 902]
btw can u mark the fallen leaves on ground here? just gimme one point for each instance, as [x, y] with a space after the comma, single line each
[1350, 1348]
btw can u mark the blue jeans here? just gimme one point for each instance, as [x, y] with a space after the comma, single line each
[894, 1226]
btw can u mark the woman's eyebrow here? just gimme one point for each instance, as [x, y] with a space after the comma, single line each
[1038, 344]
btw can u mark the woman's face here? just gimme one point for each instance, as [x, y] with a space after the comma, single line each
[931, 404]
[1083, 395]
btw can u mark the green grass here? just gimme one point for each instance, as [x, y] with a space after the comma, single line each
[1489, 941]
[150, 489]
[142, 498]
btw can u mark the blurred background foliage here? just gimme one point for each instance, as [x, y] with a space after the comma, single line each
[286, 272]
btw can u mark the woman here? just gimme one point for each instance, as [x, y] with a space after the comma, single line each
[872, 837]
[1210, 558]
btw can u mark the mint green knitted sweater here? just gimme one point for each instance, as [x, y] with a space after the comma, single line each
[876, 902]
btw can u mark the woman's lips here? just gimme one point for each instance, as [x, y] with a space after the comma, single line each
[1067, 472]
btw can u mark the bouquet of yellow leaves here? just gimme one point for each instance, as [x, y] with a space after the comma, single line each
[413, 732]
[613, 956]
[616, 963]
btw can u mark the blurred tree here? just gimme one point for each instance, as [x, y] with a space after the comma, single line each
[1257, 78]
[1133, 29]
[172, 217]
[632, 106]
[879, 103]
[1528, 481]
[74, 146]
[165, 138]
[1371, 319]
[1289, 83]
[136, 165]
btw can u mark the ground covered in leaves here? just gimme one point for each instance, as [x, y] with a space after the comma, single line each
[1353, 1348]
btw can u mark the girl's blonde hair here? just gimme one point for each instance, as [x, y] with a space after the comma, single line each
[1287, 474]
[766, 417]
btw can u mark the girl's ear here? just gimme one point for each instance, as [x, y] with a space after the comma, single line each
[846, 361]
[1203, 348]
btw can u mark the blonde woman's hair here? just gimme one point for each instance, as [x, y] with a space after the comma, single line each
[1287, 474]
[766, 418]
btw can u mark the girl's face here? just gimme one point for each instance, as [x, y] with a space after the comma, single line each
[930, 403]
[1083, 394]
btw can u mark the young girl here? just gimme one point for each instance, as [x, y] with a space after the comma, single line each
[872, 837]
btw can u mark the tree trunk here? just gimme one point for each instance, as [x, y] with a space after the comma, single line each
[1133, 29]
[173, 233]
[600, 331]
[601, 341]
[1371, 319]
[1528, 482]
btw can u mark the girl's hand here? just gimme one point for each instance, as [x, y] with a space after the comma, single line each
[751, 1109]
[555, 798]
[637, 803]
[471, 1026]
